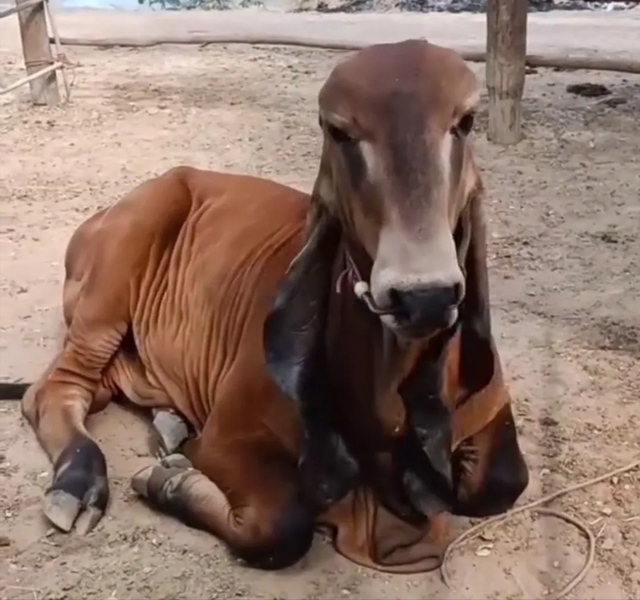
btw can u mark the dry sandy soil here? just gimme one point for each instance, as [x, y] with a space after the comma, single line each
[564, 212]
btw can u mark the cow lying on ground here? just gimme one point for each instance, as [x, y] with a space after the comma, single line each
[333, 353]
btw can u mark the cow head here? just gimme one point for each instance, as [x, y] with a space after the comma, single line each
[399, 189]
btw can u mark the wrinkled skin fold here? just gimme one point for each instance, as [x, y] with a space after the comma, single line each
[224, 305]
[298, 350]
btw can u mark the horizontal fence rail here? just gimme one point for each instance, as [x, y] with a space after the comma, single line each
[36, 48]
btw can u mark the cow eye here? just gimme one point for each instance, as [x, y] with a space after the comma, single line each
[338, 135]
[464, 126]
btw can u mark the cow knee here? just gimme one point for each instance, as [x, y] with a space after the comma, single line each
[276, 542]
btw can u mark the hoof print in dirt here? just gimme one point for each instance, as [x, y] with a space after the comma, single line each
[588, 90]
[79, 493]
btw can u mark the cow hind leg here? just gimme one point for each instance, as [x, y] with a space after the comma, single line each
[79, 492]
[259, 515]
[57, 405]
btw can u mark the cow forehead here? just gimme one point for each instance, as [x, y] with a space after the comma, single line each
[410, 78]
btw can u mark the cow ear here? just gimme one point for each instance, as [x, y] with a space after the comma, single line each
[294, 329]
[426, 448]
[296, 357]
[477, 360]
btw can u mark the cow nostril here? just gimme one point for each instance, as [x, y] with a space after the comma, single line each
[425, 308]
[458, 293]
[396, 303]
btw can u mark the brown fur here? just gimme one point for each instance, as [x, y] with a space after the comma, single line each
[166, 297]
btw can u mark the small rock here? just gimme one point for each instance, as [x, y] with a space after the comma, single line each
[606, 511]
[484, 550]
[5, 542]
[607, 544]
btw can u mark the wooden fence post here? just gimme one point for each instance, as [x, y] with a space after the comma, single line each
[37, 54]
[505, 72]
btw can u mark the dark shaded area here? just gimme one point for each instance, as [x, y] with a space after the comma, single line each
[588, 90]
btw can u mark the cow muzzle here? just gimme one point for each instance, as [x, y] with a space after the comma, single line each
[422, 311]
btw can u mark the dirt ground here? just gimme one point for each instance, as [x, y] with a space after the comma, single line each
[564, 216]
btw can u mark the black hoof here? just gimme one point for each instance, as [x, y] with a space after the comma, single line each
[79, 493]
[172, 430]
[160, 485]
[327, 470]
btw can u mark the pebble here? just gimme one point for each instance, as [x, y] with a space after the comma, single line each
[484, 550]
[607, 544]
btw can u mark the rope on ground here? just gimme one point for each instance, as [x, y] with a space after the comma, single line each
[535, 507]
[620, 65]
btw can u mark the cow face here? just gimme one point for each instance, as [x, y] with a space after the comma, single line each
[397, 178]
[398, 169]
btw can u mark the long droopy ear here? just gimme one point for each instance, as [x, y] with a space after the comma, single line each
[477, 360]
[423, 392]
[426, 448]
[294, 329]
[296, 356]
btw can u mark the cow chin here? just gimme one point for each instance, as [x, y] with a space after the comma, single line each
[489, 470]
[406, 332]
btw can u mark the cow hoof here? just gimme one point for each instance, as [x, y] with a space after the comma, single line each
[79, 493]
[159, 482]
[172, 430]
[327, 471]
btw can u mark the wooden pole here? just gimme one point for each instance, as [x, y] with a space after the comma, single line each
[505, 72]
[37, 54]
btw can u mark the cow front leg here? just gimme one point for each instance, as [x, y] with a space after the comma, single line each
[259, 515]
[172, 430]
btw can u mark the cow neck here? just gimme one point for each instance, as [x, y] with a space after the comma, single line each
[356, 354]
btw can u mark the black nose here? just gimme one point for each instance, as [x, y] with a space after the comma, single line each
[427, 308]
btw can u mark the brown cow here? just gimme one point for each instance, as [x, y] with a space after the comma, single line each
[333, 353]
